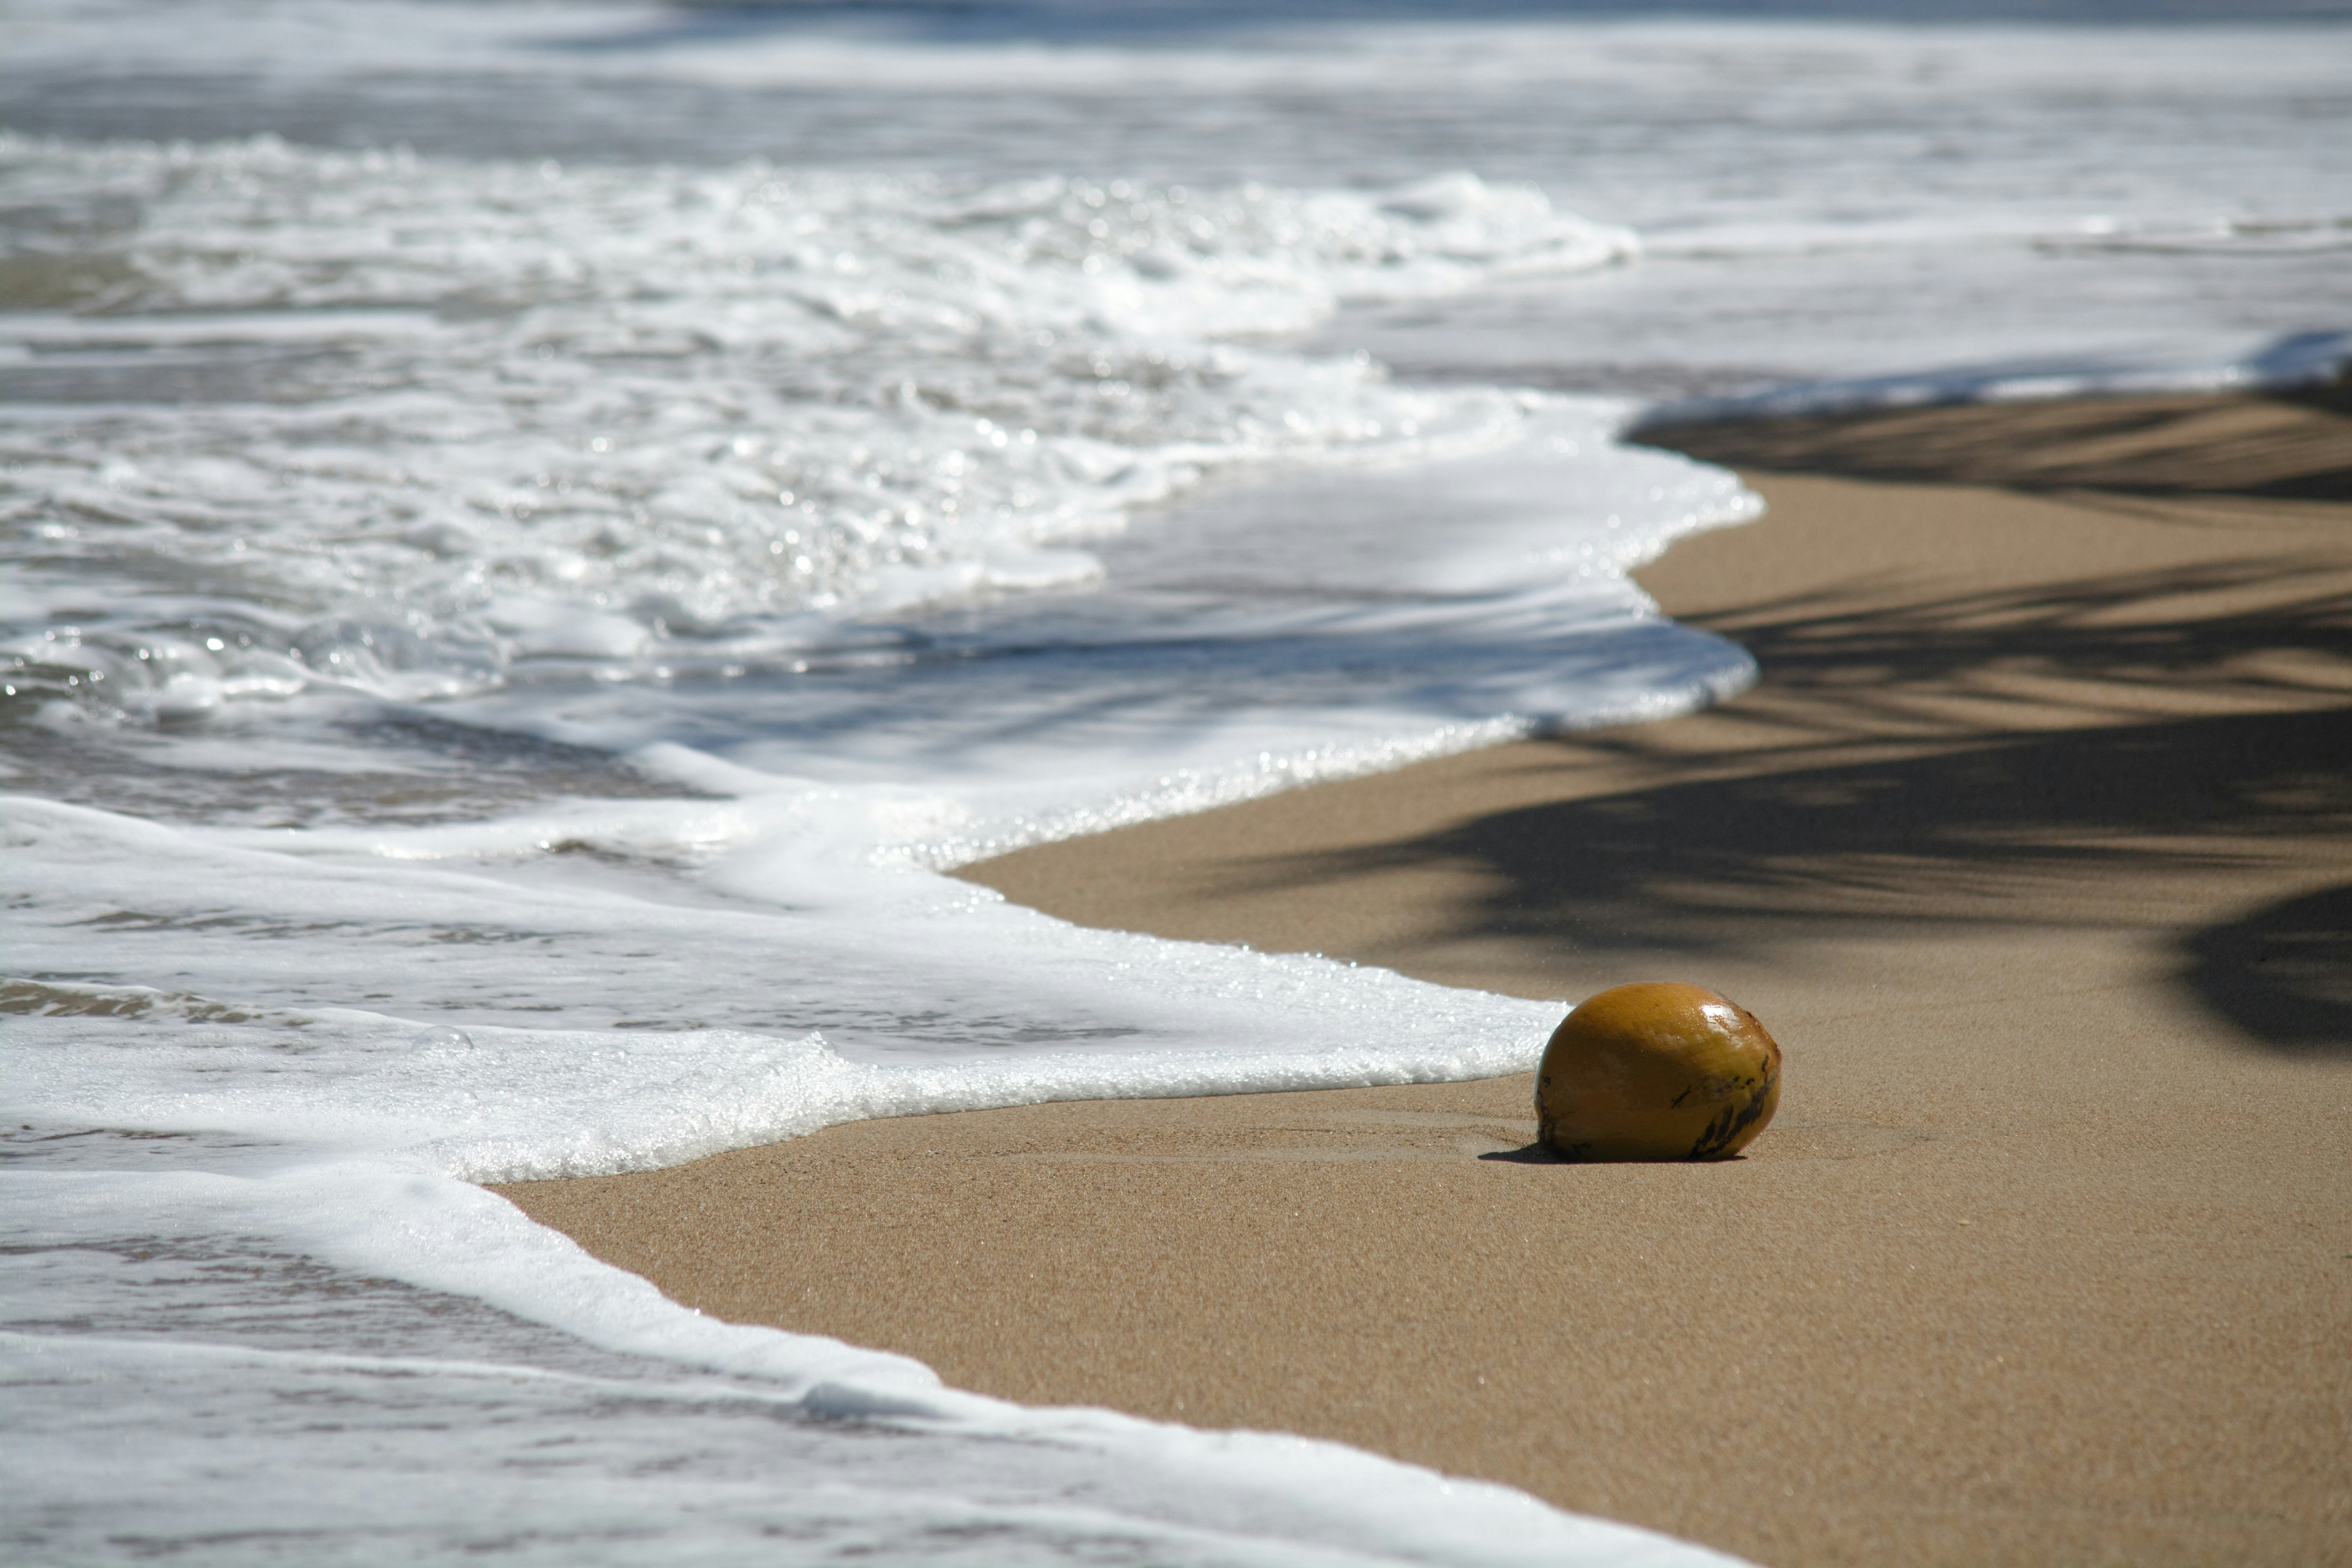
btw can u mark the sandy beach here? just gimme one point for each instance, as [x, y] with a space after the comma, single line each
[2033, 848]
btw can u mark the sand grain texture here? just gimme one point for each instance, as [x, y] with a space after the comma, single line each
[2032, 847]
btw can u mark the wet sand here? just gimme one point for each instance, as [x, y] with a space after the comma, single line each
[2033, 846]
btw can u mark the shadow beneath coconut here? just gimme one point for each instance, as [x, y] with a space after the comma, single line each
[1533, 1154]
[1541, 1154]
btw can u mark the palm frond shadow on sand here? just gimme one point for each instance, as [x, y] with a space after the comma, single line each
[1860, 806]
[2288, 447]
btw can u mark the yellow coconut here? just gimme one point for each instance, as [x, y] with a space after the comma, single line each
[1658, 1071]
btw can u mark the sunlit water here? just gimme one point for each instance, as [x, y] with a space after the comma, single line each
[534, 532]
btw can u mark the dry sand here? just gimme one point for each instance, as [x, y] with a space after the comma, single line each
[2034, 846]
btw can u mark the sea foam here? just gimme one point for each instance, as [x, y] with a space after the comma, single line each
[523, 682]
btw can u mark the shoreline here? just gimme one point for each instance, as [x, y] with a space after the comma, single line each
[2047, 1271]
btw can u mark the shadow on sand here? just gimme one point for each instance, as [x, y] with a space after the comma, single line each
[1979, 836]
[2284, 973]
[1863, 800]
[2288, 447]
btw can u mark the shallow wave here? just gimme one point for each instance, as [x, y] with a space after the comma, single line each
[413, 427]
[522, 641]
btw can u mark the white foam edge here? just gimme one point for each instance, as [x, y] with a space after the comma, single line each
[447, 1235]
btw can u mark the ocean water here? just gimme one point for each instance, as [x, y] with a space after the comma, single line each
[534, 532]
